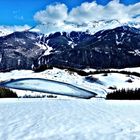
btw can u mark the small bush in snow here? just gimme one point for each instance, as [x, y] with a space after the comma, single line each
[112, 87]
[129, 81]
[33, 96]
[51, 96]
[105, 74]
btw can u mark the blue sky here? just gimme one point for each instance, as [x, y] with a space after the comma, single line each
[21, 12]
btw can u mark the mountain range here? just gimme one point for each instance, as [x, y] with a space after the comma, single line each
[117, 47]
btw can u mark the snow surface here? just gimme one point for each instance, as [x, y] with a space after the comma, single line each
[137, 69]
[78, 119]
[119, 80]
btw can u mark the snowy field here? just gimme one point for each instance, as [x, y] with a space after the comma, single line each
[77, 119]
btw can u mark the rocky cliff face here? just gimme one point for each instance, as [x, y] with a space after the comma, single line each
[114, 48]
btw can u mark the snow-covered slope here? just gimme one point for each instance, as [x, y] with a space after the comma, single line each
[43, 119]
[100, 84]
[118, 80]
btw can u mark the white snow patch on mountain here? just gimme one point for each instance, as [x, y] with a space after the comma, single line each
[48, 50]
[42, 46]
[135, 52]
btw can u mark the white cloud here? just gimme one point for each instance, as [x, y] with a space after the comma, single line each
[113, 10]
[19, 17]
[53, 14]
[57, 16]
[17, 14]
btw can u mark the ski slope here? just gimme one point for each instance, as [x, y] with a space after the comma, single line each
[77, 119]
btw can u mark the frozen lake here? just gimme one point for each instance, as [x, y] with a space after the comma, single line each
[48, 86]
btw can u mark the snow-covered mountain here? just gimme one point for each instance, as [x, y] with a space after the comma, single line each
[134, 24]
[91, 26]
[112, 48]
[6, 30]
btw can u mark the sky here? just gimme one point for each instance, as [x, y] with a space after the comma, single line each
[31, 12]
